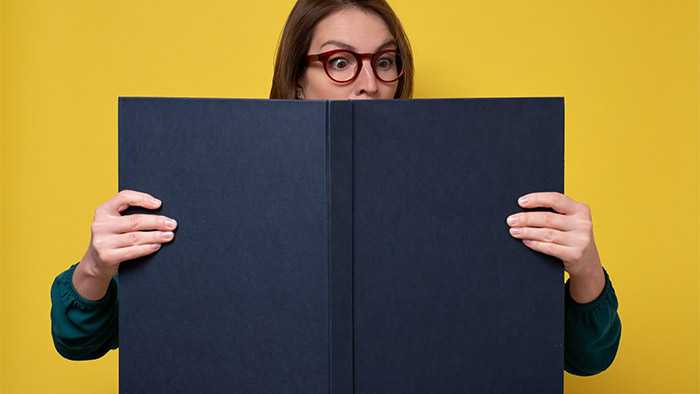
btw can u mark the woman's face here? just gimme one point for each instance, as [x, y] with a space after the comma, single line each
[359, 31]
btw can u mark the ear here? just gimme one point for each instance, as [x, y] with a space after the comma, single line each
[300, 85]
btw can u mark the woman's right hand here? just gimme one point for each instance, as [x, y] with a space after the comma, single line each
[116, 238]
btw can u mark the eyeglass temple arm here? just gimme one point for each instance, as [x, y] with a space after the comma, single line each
[312, 58]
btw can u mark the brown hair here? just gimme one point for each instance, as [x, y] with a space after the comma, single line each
[296, 39]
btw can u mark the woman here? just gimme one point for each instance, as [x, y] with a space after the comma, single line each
[337, 49]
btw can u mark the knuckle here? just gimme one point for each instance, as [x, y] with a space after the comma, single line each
[585, 239]
[98, 243]
[586, 243]
[133, 222]
[103, 255]
[132, 238]
[126, 195]
[559, 198]
[548, 236]
[577, 254]
[586, 225]
[548, 220]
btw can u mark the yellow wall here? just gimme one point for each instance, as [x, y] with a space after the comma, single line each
[628, 70]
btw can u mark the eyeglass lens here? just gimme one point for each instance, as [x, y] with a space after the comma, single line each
[342, 66]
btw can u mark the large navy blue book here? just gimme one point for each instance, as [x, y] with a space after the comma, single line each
[341, 247]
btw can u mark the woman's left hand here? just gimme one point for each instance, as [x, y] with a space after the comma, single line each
[566, 233]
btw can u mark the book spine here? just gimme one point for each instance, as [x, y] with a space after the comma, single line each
[339, 166]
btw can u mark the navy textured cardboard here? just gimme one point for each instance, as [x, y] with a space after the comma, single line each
[341, 247]
[446, 300]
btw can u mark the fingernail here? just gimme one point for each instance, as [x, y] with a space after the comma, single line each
[515, 231]
[171, 223]
[522, 200]
[156, 201]
[512, 220]
[168, 235]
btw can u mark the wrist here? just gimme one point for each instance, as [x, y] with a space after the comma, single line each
[586, 285]
[585, 274]
[90, 268]
[89, 283]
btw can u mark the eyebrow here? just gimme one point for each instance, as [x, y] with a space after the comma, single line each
[352, 48]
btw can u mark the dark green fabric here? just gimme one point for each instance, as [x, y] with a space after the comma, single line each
[84, 330]
[591, 331]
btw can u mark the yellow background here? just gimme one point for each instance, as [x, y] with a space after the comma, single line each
[627, 68]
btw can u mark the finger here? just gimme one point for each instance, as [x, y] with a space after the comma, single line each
[557, 201]
[561, 252]
[542, 219]
[126, 198]
[129, 253]
[140, 238]
[544, 235]
[141, 222]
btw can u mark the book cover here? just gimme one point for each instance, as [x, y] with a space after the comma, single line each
[341, 247]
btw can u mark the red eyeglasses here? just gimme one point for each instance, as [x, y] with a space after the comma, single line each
[344, 66]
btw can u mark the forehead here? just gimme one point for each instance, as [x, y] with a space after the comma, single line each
[362, 29]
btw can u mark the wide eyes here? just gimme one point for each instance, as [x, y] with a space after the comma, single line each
[344, 66]
[342, 61]
[386, 62]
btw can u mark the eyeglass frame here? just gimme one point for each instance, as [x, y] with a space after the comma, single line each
[359, 57]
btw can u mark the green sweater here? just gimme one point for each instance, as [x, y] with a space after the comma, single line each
[83, 329]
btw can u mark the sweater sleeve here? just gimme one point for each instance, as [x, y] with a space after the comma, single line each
[83, 329]
[591, 332]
